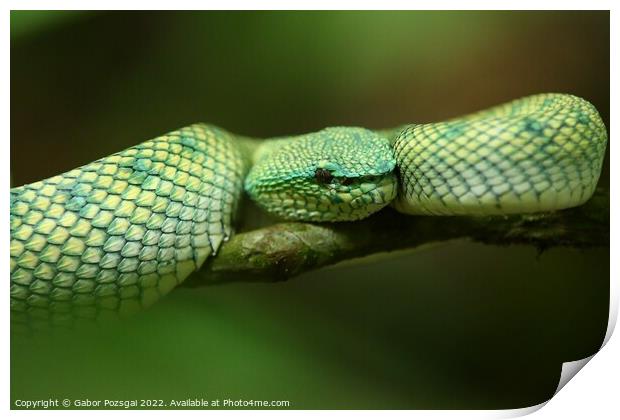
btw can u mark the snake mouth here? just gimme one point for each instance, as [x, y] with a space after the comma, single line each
[359, 197]
[340, 200]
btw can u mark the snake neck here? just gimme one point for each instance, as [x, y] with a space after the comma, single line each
[249, 148]
[392, 133]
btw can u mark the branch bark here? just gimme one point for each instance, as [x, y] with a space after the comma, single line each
[284, 250]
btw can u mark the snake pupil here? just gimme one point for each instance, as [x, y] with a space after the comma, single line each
[323, 176]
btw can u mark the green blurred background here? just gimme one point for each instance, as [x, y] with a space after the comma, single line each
[457, 326]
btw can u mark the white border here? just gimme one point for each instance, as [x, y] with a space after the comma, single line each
[593, 394]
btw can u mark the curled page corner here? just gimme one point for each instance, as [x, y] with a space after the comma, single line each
[570, 369]
[520, 412]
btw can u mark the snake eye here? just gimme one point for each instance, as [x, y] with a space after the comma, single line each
[323, 176]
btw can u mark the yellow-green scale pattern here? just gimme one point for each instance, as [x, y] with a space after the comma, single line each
[113, 236]
[540, 153]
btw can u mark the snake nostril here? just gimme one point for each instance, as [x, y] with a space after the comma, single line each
[323, 176]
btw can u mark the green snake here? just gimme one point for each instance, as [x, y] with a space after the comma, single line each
[112, 237]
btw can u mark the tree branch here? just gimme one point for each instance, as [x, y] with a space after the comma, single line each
[284, 250]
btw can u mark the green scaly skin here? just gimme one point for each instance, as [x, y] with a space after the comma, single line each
[539, 153]
[112, 237]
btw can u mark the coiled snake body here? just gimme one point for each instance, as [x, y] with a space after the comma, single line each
[115, 235]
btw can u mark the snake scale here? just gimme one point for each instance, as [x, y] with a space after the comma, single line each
[112, 237]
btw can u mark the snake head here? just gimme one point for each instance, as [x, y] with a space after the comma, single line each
[336, 174]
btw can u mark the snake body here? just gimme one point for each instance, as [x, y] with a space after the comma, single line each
[115, 235]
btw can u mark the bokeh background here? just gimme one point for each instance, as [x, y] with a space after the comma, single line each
[456, 326]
